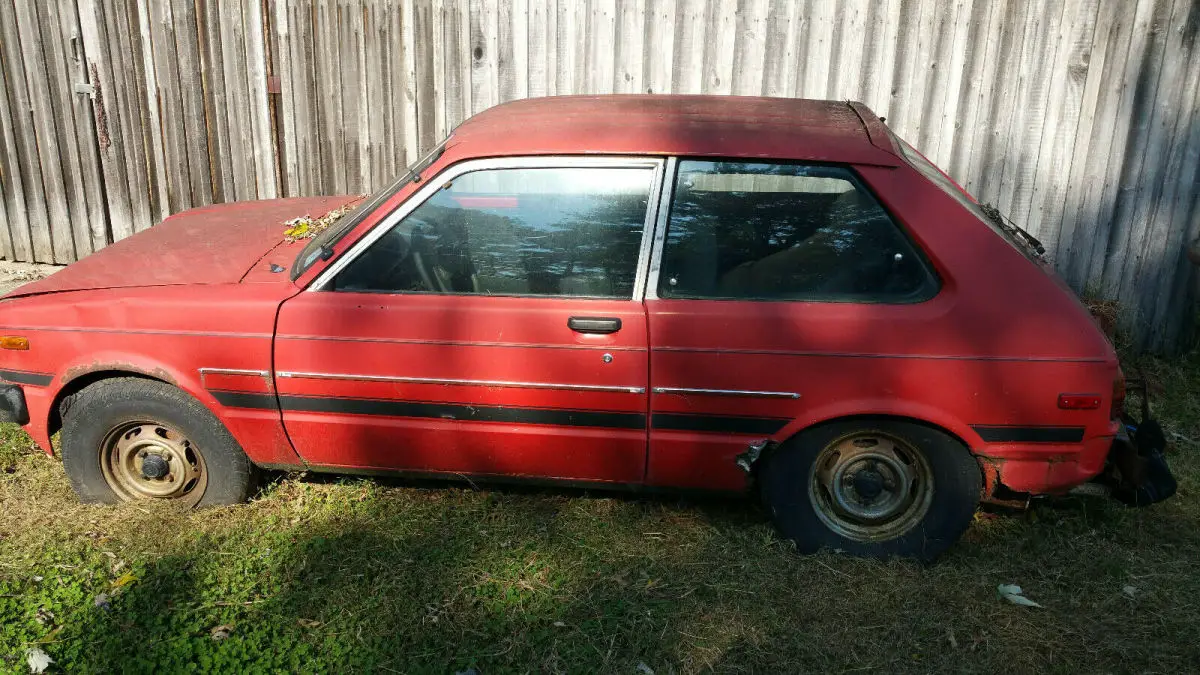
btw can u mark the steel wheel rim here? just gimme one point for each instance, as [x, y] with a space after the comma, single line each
[871, 486]
[152, 460]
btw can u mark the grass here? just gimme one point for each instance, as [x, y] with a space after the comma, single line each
[356, 575]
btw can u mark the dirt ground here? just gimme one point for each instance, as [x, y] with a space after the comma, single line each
[14, 274]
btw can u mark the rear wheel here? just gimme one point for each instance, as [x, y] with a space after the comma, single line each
[875, 488]
[131, 439]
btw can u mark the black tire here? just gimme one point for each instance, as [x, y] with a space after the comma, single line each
[91, 417]
[793, 491]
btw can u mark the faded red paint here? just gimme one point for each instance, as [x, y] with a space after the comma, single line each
[996, 346]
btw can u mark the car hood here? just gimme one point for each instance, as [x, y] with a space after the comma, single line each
[210, 245]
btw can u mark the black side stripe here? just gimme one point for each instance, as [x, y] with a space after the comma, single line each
[761, 426]
[244, 399]
[483, 413]
[431, 410]
[994, 434]
[24, 377]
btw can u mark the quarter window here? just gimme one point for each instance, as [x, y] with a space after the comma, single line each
[573, 231]
[784, 232]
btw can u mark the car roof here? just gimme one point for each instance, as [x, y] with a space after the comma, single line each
[649, 124]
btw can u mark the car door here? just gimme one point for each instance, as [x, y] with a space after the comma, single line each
[489, 326]
[773, 290]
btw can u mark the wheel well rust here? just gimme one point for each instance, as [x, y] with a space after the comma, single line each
[83, 380]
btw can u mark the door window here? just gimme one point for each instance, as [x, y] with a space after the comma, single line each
[785, 232]
[570, 231]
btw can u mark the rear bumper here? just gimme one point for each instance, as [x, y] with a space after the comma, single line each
[12, 404]
[1044, 468]
[1129, 464]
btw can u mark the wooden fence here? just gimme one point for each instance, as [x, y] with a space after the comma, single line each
[1077, 118]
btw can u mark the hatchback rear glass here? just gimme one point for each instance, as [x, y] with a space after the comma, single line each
[1025, 243]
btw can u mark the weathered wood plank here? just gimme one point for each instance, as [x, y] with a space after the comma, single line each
[538, 38]
[512, 45]
[306, 104]
[110, 140]
[691, 22]
[660, 46]
[818, 44]
[482, 48]
[456, 95]
[630, 46]
[190, 89]
[376, 94]
[779, 61]
[82, 135]
[1140, 82]
[165, 96]
[236, 113]
[289, 88]
[978, 68]
[46, 152]
[62, 102]
[1178, 215]
[602, 47]
[1037, 57]
[216, 101]
[1160, 163]
[719, 47]
[427, 72]
[352, 58]
[848, 47]
[993, 150]
[331, 142]
[18, 240]
[1062, 119]
[259, 114]
[750, 52]
[406, 88]
[132, 114]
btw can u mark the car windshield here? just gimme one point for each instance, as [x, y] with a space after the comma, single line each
[1019, 239]
[321, 246]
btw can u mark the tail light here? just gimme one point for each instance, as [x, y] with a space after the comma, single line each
[1079, 401]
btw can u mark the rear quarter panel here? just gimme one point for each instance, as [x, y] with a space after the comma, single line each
[994, 348]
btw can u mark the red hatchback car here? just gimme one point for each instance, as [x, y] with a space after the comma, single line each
[694, 292]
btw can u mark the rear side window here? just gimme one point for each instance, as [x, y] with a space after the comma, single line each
[572, 231]
[785, 232]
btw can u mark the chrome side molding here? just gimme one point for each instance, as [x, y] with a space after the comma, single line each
[462, 383]
[683, 391]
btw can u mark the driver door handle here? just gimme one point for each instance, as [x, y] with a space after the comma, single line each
[594, 324]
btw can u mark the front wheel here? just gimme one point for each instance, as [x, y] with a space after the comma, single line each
[129, 439]
[874, 488]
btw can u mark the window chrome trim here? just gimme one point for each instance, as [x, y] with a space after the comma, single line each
[326, 276]
[660, 228]
[506, 384]
[726, 392]
[234, 371]
[649, 227]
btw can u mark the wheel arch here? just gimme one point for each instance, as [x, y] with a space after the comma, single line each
[96, 367]
[862, 417]
[793, 431]
[84, 380]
